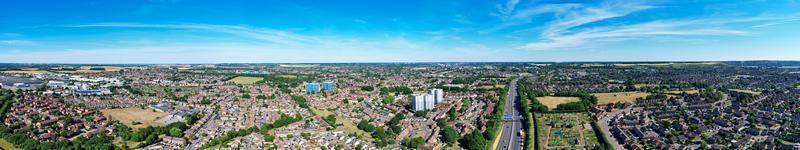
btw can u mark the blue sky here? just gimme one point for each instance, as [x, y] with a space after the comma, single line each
[184, 31]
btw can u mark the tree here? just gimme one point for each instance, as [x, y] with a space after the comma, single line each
[388, 99]
[441, 122]
[366, 126]
[367, 88]
[452, 114]
[205, 101]
[331, 120]
[415, 142]
[450, 135]
[175, 132]
[474, 141]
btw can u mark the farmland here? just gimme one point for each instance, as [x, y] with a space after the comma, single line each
[565, 131]
[26, 71]
[245, 80]
[607, 98]
[135, 117]
[553, 101]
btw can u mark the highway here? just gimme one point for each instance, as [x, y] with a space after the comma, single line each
[509, 136]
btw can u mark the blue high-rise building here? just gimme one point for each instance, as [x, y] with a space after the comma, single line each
[312, 87]
[327, 86]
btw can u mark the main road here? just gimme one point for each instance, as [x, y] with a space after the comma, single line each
[512, 125]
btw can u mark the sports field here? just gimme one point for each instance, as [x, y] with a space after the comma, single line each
[144, 117]
[553, 101]
[245, 80]
[565, 131]
[607, 98]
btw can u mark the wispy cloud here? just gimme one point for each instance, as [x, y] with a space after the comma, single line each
[268, 35]
[16, 42]
[578, 25]
[776, 23]
[580, 38]
[508, 7]
[361, 21]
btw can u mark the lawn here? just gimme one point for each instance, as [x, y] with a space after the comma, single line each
[565, 131]
[687, 92]
[144, 117]
[6, 145]
[553, 101]
[607, 98]
[245, 80]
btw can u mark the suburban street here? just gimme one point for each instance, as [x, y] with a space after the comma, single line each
[509, 136]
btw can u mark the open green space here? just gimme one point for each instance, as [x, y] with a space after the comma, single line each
[565, 131]
[245, 80]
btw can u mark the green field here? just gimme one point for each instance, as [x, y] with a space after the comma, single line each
[565, 131]
[6, 145]
[553, 101]
[143, 117]
[607, 98]
[245, 80]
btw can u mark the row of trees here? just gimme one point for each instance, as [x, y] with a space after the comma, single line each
[6, 99]
[525, 96]
[301, 101]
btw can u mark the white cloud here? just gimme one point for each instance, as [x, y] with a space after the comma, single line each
[16, 42]
[776, 23]
[508, 7]
[575, 39]
[571, 27]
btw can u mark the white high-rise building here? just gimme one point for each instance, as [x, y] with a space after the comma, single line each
[430, 101]
[438, 95]
[418, 102]
[427, 101]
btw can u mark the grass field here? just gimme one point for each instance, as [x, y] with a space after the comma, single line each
[606, 98]
[553, 101]
[493, 86]
[6, 145]
[746, 91]
[565, 131]
[687, 91]
[287, 76]
[146, 117]
[245, 80]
